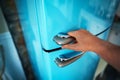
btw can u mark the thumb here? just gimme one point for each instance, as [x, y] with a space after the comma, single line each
[73, 33]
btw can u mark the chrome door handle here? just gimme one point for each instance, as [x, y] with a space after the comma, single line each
[62, 39]
[63, 61]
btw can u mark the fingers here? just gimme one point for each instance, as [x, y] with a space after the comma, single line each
[70, 46]
[73, 33]
[83, 39]
[78, 32]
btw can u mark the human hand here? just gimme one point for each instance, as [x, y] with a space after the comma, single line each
[85, 41]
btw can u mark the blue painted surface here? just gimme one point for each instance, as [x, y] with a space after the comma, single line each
[41, 20]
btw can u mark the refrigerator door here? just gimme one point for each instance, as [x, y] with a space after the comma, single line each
[42, 20]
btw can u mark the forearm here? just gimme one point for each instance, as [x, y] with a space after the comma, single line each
[109, 52]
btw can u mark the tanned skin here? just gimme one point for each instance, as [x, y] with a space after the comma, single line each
[88, 42]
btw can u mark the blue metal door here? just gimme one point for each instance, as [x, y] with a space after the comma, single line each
[41, 20]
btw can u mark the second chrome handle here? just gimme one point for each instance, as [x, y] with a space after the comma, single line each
[63, 61]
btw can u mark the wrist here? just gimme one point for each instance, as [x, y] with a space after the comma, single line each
[99, 45]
